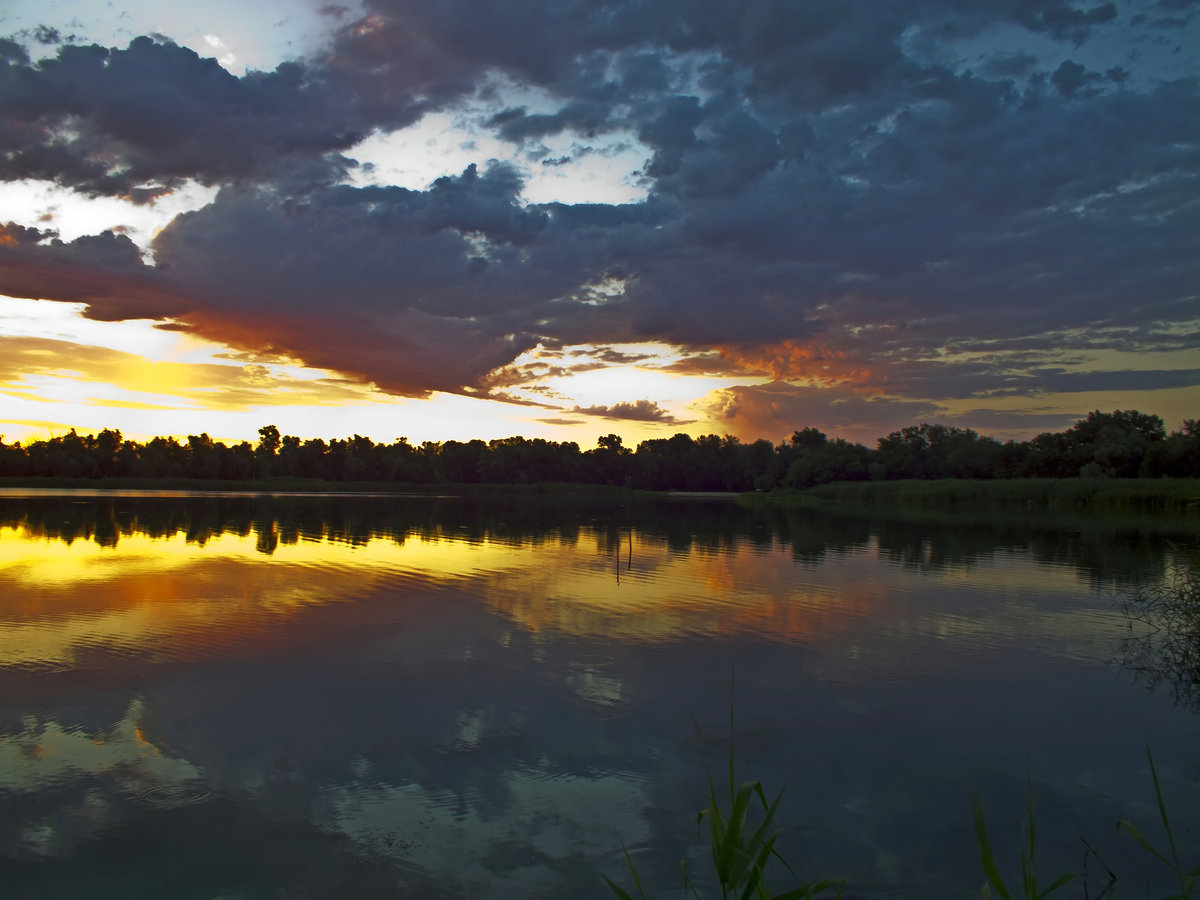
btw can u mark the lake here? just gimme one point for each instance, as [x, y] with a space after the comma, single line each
[304, 696]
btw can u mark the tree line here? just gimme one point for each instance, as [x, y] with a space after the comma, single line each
[1120, 444]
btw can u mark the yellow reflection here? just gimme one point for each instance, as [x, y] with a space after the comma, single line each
[654, 594]
[179, 598]
[170, 597]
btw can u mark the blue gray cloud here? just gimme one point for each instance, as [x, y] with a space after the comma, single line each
[892, 182]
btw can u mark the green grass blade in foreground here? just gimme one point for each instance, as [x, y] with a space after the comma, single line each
[736, 853]
[811, 890]
[986, 858]
[1132, 830]
[1056, 884]
[621, 892]
[740, 853]
[1028, 875]
[1187, 879]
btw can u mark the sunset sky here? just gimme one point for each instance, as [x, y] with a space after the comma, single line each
[448, 219]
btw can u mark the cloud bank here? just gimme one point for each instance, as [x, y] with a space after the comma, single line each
[901, 203]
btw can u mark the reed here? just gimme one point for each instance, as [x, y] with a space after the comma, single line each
[1189, 879]
[741, 850]
[1029, 889]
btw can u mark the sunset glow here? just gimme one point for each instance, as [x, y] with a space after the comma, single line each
[399, 218]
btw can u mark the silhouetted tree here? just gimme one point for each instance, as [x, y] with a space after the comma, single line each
[1178, 456]
[268, 445]
[609, 462]
[204, 462]
[1123, 443]
[1113, 444]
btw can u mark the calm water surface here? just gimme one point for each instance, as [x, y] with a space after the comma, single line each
[387, 697]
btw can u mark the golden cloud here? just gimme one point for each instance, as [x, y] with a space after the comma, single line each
[199, 385]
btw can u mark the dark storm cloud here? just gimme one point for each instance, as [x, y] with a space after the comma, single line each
[637, 411]
[415, 290]
[614, 357]
[1071, 79]
[107, 121]
[1168, 14]
[1009, 65]
[1003, 375]
[826, 174]
[104, 271]
[1120, 380]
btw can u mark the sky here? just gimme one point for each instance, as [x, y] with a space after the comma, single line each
[456, 219]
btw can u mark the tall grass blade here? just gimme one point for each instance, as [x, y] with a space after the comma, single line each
[1055, 885]
[809, 890]
[986, 857]
[1162, 811]
[740, 853]
[1187, 879]
[731, 696]
[620, 892]
[688, 884]
[1132, 830]
[1029, 889]
[1028, 872]
[755, 875]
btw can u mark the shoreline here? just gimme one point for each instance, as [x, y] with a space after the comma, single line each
[1179, 496]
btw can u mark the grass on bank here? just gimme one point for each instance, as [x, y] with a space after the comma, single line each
[1117, 495]
[1129, 495]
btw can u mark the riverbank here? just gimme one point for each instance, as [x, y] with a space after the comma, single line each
[315, 486]
[1120, 496]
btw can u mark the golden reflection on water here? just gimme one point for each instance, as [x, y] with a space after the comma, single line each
[665, 595]
[171, 597]
[402, 744]
[158, 594]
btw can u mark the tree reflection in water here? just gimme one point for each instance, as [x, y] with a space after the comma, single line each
[1163, 646]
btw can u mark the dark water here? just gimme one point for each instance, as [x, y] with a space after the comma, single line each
[392, 697]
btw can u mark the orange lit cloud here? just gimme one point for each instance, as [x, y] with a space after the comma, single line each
[777, 409]
[803, 362]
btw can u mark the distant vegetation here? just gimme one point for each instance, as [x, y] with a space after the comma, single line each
[1061, 495]
[1120, 444]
